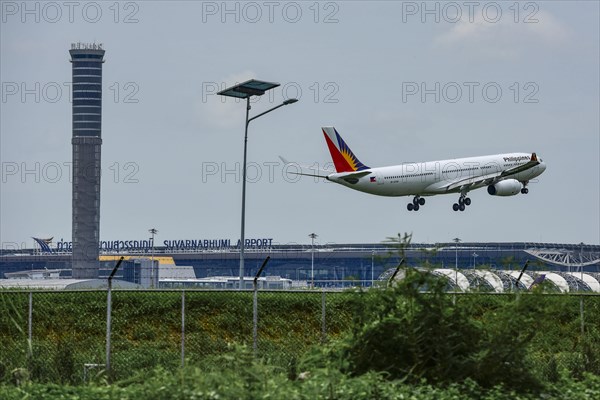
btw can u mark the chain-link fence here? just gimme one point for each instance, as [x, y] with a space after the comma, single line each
[61, 336]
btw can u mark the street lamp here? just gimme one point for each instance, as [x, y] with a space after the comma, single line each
[474, 255]
[153, 231]
[581, 260]
[312, 237]
[246, 90]
[456, 240]
[372, 267]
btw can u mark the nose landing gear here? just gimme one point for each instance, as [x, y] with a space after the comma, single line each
[524, 190]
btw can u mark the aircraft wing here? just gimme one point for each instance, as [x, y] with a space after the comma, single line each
[492, 178]
[474, 181]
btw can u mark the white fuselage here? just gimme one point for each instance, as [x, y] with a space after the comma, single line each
[433, 177]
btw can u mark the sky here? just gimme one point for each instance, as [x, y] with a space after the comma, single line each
[400, 81]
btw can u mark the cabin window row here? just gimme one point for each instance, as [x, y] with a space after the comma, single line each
[408, 176]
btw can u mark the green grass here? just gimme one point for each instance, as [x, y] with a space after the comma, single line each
[240, 378]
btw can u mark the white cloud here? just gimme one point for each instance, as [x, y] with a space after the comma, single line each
[503, 39]
[549, 29]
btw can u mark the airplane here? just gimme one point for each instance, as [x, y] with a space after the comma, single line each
[502, 174]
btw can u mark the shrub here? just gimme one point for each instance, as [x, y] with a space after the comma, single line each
[414, 335]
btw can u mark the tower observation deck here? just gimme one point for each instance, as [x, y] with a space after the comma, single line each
[86, 60]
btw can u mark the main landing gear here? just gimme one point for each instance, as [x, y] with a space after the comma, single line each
[416, 203]
[463, 202]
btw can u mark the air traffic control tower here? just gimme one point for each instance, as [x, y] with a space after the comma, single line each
[87, 62]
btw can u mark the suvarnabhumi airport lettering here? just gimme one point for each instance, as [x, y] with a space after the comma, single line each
[177, 244]
[216, 244]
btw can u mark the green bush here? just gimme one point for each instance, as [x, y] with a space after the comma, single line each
[241, 376]
[416, 332]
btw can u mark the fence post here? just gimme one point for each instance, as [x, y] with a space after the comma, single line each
[108, 317]
[108, 329]
[323, 319]
[182, 328]
[255, 307]
[30, 327]
[581, 315]
[255, 320]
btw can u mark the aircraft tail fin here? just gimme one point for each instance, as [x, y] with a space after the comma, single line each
[343, 158]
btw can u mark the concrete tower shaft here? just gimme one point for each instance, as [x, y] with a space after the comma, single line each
[87, 60]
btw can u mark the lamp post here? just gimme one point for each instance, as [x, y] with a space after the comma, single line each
[581, 260]
[246, 90]
[372, 267]
[456, 240]
[312, 237]
[153, 231]
[474, 255]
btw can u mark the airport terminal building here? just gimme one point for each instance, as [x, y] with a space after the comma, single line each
[468, 266]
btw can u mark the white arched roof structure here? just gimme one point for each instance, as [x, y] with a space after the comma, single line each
[588, 279]
[458, 278]
[565, 282]
[526, 279]
[560, 282]
[492, 279]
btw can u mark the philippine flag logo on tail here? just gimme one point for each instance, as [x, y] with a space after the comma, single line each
[343, 158]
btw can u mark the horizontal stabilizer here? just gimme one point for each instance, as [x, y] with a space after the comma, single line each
[305, 170]
[350, 177]
[356, 175]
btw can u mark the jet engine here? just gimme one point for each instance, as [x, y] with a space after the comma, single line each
[507, 187]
